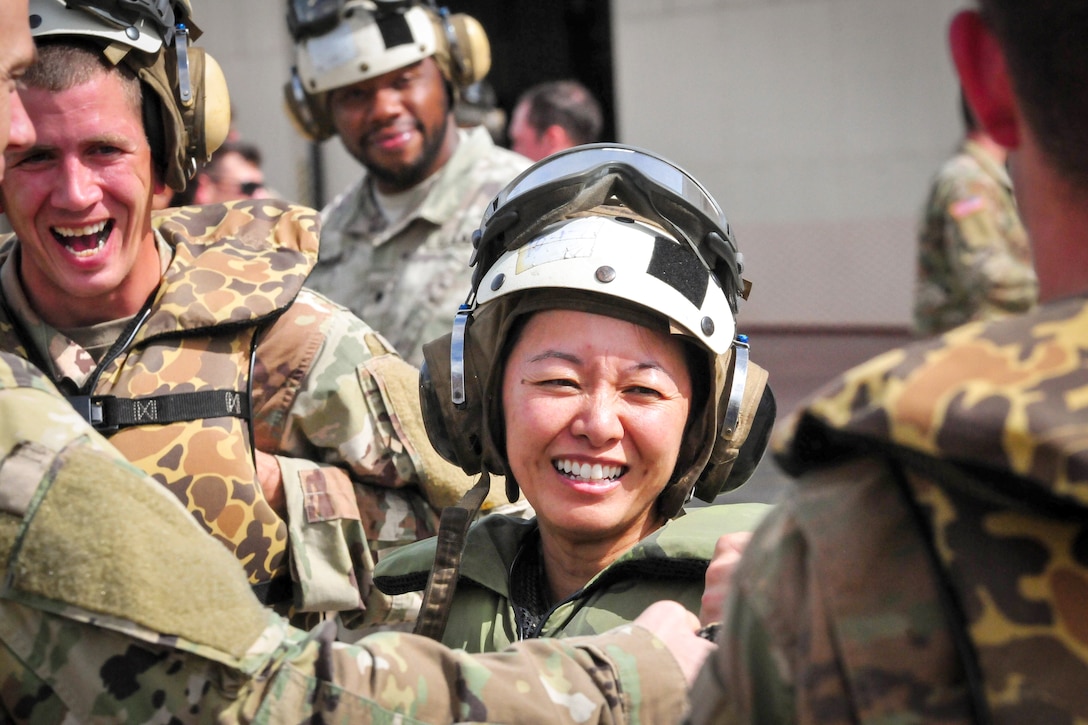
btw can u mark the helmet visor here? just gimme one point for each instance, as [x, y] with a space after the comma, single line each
[123, 14]
[586, 176]
[308, 18]
[311, 18]
[574, 165]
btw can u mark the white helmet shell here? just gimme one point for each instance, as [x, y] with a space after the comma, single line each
[619, 257]
[53, 17]
[360, 46]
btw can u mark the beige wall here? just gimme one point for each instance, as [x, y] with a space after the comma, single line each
[816, 124]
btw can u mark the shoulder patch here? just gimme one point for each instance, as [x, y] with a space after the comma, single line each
[966, 207]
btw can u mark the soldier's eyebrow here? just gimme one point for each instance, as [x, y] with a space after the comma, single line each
[575, 360]
[555, 354]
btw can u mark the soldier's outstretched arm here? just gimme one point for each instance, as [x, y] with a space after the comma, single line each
[93, 627]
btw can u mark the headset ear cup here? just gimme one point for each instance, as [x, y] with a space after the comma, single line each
[734, 458]
[467, 52]
[433, 420]
[308, 113]
[455, 432]
[212, 123]
[192, 129]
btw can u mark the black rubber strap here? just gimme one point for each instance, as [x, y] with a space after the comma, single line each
[109, 413]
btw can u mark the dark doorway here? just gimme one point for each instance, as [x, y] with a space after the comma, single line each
[542, 40]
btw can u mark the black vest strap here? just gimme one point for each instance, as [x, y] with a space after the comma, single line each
[108, 413]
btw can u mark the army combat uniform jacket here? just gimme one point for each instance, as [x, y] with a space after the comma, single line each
[929, 565]
[974, 257]
[408, 278]
[93, 627]
[232, 322]
[500, 594]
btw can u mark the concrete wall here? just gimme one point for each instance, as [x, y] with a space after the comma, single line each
[816, 124]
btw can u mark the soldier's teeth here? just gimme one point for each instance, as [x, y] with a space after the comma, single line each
[80, 231]
[594, 472]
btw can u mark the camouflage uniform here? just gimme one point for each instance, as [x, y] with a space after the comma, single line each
[974, 257]
[502, 592]
[929, 565]
[93, 628]
[407, 280]
[320, 387]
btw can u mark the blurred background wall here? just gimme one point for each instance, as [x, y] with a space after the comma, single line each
[815, 123]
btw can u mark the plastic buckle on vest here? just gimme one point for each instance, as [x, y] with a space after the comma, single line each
[93, 410]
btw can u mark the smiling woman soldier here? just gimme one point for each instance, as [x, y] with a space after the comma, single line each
[595, 365]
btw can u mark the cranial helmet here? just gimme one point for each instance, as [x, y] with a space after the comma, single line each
[610, 230]
[341, 42]
[187, 112]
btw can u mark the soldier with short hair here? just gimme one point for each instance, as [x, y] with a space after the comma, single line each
[553, 116]
[281, 421]
[929, 563]
[383, 76]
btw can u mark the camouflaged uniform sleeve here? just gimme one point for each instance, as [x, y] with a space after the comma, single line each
[351, 406]
[360, 477]
[87, 672]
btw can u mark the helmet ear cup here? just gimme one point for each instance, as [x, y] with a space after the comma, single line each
[454, 430]
[212, 124]
[188, 130]
[205, 114]
[309, 113]
[735, 453]
[465, 54]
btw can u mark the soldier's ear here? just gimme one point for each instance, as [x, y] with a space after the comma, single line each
[984, 77]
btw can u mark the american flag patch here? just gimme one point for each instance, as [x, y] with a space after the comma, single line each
[967, 207]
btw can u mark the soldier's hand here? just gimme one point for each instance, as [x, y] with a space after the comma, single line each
[676, 626]
[271, 480]
[719, 575]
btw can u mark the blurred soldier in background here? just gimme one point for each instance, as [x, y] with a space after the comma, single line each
[232, 173]
[553, 116]
[974, 257]
[395, 246]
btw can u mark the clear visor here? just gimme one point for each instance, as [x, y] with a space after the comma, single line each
[311, 18]
[307, 18]
[122, 14]
[572, 165]
[574, 180]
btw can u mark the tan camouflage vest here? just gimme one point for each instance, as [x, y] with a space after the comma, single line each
[986, 432]
[236, 269]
